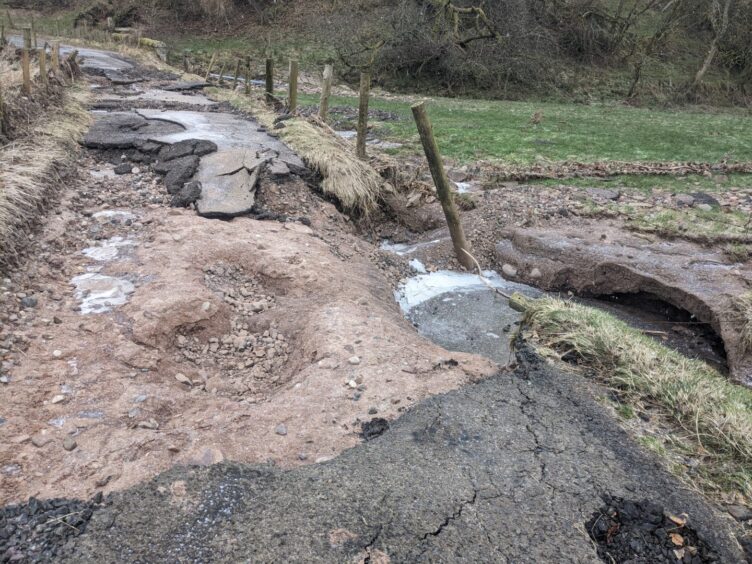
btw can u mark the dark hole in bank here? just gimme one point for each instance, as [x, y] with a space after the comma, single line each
[671, 326]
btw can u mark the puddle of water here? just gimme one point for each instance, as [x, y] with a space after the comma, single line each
[115, 214]
[99, 293]
[423, 287]
[108, 250]
[402, 249]
[57, 422]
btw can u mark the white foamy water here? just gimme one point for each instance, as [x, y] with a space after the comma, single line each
[402, 249]
[114, 214]
[423, 287]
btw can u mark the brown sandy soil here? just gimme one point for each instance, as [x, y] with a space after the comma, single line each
[245, 340]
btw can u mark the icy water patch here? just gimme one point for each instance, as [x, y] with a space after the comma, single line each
[99, 293]
[423, 287]
[108, 250]
[115, 214]
[402, 249]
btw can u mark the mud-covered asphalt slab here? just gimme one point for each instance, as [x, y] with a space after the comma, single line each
[507, 470]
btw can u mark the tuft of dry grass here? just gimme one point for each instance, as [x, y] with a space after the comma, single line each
[353, 182]
[743, 304]
[714, 412]
[31, 167]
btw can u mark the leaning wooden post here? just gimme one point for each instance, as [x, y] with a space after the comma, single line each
[211, 64]
[269, 81]
[185, 60]
[222, 73]
[365, 90]
[326, 91]
[248, 76]
[27, 37]
[10, 20]
[34, 32]
[26, 87]
[56, 56]
[43, 65]
[442, 185]
[237, 73]
[292, 87]
[2, 35]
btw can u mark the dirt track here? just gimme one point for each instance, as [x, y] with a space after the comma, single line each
[249, 342]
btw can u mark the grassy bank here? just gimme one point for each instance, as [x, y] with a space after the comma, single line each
[32, 167]
[711, 418]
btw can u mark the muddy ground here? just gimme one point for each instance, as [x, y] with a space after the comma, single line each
[215, 381]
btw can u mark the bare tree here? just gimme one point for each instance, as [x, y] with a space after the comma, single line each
[719, 20]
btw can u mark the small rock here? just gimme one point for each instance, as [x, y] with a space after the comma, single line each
[124, 168]
[372, 411]
[740, 512]
[258, 307]
[57, 353]
[705, 207]
[281, 429]
[509, 270]
[535, 273]
[302, 456]
[69, 443]
[29, 302]
[684, 200]
[40, 440]
[58, 399]
[328, 363]
[183, 379]
[4, 379]
[353, 360]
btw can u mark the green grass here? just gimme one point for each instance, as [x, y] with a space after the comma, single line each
[667, 183]
[711, 414]
[501, 131]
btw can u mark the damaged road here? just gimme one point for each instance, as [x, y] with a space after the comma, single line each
[506, 470]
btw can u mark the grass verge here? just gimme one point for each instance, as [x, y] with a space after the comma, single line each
[712, 415]
[32, 166]
[353, 182]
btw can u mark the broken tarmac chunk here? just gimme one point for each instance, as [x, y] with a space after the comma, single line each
[188, 194]
[198, 147]
[228, 180]
[182, 86]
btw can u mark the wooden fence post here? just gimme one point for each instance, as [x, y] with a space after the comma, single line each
[222, 73]
[55, 56]
[34, 32]
[2, 34]
[326, 91]
[185, 61]
[248, 75]
[365, 91]
[27, 37]
[26, 88]
[237, 73]
[10, 20]
[57, 27]
[269, 81]
[292, 87]
[42, 53]
[211, 64]
[442, 185]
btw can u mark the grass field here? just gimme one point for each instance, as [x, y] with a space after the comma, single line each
[469, 130]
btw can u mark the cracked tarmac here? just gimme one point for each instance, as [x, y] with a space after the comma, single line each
[506, 470]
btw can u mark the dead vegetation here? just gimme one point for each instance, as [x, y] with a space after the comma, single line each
[744, 306]
[714, 416]
[40, 138]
